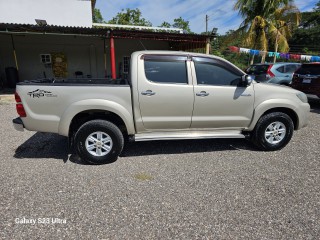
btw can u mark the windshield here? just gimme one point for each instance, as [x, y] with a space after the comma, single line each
[312, 69]
[257, 69]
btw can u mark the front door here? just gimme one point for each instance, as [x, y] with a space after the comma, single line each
[165, 94]
[220, 101]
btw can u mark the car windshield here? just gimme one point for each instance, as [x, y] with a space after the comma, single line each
[313, 69]
[257, 69]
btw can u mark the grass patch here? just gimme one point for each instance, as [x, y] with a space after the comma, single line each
[143, 177]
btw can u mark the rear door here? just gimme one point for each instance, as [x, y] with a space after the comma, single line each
[220, 102]
[165, 92]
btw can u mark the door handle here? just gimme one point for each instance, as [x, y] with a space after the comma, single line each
[148, 93]
[202, 94]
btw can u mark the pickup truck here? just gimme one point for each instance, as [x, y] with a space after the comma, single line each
[168, 96]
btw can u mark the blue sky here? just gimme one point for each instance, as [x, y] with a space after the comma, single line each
[220, 12]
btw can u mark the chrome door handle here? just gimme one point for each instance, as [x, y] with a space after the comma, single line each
[202, 94]
[148, 93]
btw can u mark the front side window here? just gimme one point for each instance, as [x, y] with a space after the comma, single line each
[215, 74]
[166, 70]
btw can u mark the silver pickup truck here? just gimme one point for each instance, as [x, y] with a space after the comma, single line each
[168, 96]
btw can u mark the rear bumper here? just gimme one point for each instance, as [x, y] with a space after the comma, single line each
[18, 124]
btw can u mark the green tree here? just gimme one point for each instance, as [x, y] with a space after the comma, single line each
[181, 23]
[264, 20]
[97, 17]
[165, 25]
[130, 17]
[220, 48]
[178, 23]
[281, 27]
[306, 39]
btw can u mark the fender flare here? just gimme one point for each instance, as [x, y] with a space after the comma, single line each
[94, 104]
[270, 104]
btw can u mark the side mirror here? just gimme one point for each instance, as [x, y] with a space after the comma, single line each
[246, 80]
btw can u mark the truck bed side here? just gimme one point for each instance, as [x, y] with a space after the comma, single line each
[50, 107]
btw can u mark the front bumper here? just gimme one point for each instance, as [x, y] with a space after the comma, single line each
[303, 115]
[18, 124]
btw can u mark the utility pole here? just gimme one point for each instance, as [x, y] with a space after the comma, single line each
[207, 19]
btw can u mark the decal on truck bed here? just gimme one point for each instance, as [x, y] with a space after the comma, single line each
[41, 93]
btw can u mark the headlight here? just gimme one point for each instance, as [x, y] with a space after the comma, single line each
[302, 97]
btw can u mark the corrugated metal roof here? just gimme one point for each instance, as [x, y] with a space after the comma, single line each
[96, 31]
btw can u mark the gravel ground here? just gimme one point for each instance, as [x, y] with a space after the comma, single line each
[201, 189]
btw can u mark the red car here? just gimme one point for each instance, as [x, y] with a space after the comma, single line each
[307, 79]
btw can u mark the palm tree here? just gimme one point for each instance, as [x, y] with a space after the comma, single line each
[262, 20]
[284, 21]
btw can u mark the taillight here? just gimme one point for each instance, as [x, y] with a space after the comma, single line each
[269, 73]
[17, 97]
[19, 106]
[20, 110]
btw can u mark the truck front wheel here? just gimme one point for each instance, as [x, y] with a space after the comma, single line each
[273, 131]
[99, 142]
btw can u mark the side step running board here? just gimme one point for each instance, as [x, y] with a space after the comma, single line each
[187, 135]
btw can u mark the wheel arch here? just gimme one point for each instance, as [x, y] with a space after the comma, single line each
[95, 114]
[291, 113]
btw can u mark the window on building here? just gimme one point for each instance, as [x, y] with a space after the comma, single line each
[45, 58]
[126, 64]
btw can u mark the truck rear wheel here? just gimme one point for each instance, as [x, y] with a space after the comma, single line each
[273, 131]
[99, 142]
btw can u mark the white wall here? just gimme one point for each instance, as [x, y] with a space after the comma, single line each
[56, 12]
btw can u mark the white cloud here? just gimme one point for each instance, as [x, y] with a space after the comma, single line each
[220, 12]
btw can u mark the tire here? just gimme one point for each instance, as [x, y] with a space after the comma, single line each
[99, 142]
[273, 131]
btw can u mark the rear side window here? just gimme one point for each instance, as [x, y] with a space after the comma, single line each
[280, 69]
[257, 69]
[291, 68]
[166, 69]
[312, 69]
